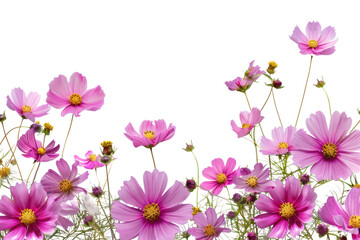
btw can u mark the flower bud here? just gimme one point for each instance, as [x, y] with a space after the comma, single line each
[189, 147]
[236, 197]
[88, 220]
[2, 117]
[47, 129]
[13, 162]
[251, 236]
[97, 191]
[107, 148]
[304, 179]
[319, 84]
[230, 214]
[343, 237]
[190, 185]
[105, 159]
[36, 127]
[277, 84]
[250, 198]
[322, 229]
[272, 66]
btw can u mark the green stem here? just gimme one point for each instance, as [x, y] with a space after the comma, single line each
[37, 169]
[13, 152]
[32, 169]
[72, 118]
[197, 180]
[277, 111]
[354, 127]
[266, 99]
[270, 167]
[152, 155]
[107, 219]
[302, 100]
[109, 195]
[328, 99]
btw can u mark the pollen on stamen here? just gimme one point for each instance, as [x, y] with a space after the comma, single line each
[209, 230]
[65, 185]
[149, 134]
[245, 125]
[41, 151]
[75, 99]
[313, 43]
[26, 108]
[283, 145]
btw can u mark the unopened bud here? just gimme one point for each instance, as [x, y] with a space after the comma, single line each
[97, 191]
[272, 66]
[88, 220]
[2, 117]
[251, 236]
[236, 197]
[190, 185]
[319, 84]
[304, 179]
[189, 147]
[107, 148]
[277, 84]
[322, 229]
[230, 214]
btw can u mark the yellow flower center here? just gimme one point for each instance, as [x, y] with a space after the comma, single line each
[26, 108]
[245, 125]
[65, 185]
[195, 211]
[41, 151]
[209, 230]
[357, 185]
[92, 157]
[221, 178]
[75, 99]
[329, 150]
[313, 43]
[149, 134]
[283, 145]
[354, 221]
[48, 126]
[151, 212]
[27, 216]
[273, 64]
[287, 210]
[4, 172]
[252, 181]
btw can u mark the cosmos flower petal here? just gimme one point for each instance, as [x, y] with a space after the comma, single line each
[177, 214]
[267, 219]
[130, 229]
[155, 184]
[174, 195]
[330, 170]
[78, 83]
[339, 126]
[313, 30]
[280, 229]
[330, 209]
[16, 233]
[166, 230]
[352, 202]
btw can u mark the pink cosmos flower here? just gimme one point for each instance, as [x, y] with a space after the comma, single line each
[33, 148]
[316, 41]
[209, 226]
[28, 215]
[290, 207]
[73, 96]
[150, 134]
[281, 143]
[331, 153]
[219, 174]
[153, 214]
[239, 84]
[253, 72]
[256, 181]
[248, 121]
[64, 186]
[91, 161]
[26, 106]
[347, 219]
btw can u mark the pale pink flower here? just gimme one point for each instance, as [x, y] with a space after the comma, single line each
[281, 142]
[248, 121]
[316, 41]
[91, 161]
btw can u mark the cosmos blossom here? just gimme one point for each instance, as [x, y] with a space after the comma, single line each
[150, 134]
[73, 96]
[253, 72]
[288, 208]
[239, 84]
[33, 148]
[248, 121]
[316, 41]
[152, 214]
[209, 225]
[281, 142]
[331, 152]
[26, 106]
[91, 161]
[220, 175]
[255, 181]
[63, 186]
[347, 219]
[28, 215]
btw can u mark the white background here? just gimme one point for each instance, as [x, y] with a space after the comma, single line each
[169, 60]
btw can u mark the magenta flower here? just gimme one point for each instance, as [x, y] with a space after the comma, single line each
[28, 215]
[209, 226]
[91, 161]
[64, 186]
[331, 153]
[153, 214]
[33, 148]
[253, 72]
[290, 207]
[316, 41]
[347, 219]
[219, 174]
[150, 134]
[239, 84]
[248, 121]
[281, 143]
[256, 181]
[26, 106]
[73, 96]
